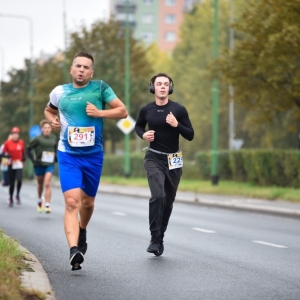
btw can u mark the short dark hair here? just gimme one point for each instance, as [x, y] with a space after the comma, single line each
[152, 80]
[84, 54]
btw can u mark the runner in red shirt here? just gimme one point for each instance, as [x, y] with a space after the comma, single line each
[15, 149]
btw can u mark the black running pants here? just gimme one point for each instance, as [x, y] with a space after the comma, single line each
[163, 184]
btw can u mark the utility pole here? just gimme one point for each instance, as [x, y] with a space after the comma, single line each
[127, 89]
[215, 104]
[231, 90]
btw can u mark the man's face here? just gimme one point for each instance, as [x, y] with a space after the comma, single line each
[82, 71]
[46, 129]
[162, 86]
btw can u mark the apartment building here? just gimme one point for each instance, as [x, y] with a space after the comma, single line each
[153, 20]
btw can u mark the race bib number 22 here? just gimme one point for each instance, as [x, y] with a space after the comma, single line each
[175, 160]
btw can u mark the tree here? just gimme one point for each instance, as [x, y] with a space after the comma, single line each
[190, 72]
[15, 103]
[265, 64]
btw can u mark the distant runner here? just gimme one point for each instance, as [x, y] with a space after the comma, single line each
[44, 148]
[15, 151]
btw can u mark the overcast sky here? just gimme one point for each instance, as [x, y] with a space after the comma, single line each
[47, 19]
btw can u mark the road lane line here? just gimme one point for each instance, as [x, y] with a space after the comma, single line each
[269, 244]
[119, 213]
[203, 230]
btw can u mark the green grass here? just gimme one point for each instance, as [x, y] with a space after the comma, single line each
[11, 265]
[223, 188]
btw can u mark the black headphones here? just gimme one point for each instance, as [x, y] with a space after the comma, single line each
[151, 83]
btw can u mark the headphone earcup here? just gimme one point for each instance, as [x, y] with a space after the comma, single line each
[151, 89]
[170, 89]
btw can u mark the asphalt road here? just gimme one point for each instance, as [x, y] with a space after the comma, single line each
[209, 253]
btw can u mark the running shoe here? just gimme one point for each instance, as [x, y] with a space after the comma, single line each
[47, 209]
[154, 244]
[40, 207]
[82, 244]
[10, 202]
[76, 258]
[18, 200]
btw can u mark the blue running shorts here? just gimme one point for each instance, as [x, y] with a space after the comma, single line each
[42, 170]
[82, 172]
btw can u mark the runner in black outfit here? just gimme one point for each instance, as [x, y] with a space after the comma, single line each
[163, 161]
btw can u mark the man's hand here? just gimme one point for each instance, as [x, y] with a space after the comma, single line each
[171, 120]
[92, 110]
[55, 123]
[149, 136]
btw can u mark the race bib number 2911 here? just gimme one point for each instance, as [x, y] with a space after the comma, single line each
[81, 136]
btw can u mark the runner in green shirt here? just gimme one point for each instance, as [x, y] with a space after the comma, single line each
[43, 158]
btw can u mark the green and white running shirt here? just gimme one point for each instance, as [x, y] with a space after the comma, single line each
[80, 134]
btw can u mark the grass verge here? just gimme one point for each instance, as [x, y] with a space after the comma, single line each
[223, 188]
[11, 265]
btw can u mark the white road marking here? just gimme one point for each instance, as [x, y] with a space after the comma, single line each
[203, 230]
[119, 213]
[269, 244]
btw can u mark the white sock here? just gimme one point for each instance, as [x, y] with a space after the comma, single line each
[47, 204]
[40, 200]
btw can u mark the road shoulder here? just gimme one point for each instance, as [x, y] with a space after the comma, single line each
[38, 278]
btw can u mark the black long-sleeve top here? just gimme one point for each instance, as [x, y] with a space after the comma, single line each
[166, 137]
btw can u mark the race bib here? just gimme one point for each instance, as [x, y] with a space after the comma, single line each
[17, 164]
[48, 157]
[81, 136]
[4, 164]
[175, 160]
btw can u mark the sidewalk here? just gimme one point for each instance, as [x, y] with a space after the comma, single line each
[283, 208]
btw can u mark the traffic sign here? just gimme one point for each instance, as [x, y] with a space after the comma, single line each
[34, 131]
[126, 125]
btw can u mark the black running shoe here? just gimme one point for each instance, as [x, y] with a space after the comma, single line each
[161, 246]
[82, 244]
[18, 200]
[76, 258]
[154, 244]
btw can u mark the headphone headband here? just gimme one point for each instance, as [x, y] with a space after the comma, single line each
[152, 80]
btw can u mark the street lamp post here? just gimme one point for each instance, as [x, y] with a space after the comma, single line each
[31, 70]
[127, 89]
[215, 104]
[231, 90]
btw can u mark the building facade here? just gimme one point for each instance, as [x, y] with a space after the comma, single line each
[153, 20]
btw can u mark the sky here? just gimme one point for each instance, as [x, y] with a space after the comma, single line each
[48, 27]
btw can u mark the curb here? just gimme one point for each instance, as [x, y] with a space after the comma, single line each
[38, 279]
[227, 204]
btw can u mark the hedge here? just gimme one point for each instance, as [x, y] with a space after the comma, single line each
[261, 167]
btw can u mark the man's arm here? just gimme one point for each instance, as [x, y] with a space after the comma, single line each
[140, 124]
[117, 111]
[51, 115]
[185, 126]
[183, 123]
[29, 154]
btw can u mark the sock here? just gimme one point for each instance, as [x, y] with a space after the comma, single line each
[47, 204]
[73, 248]
[81, 229]
[40, 201]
